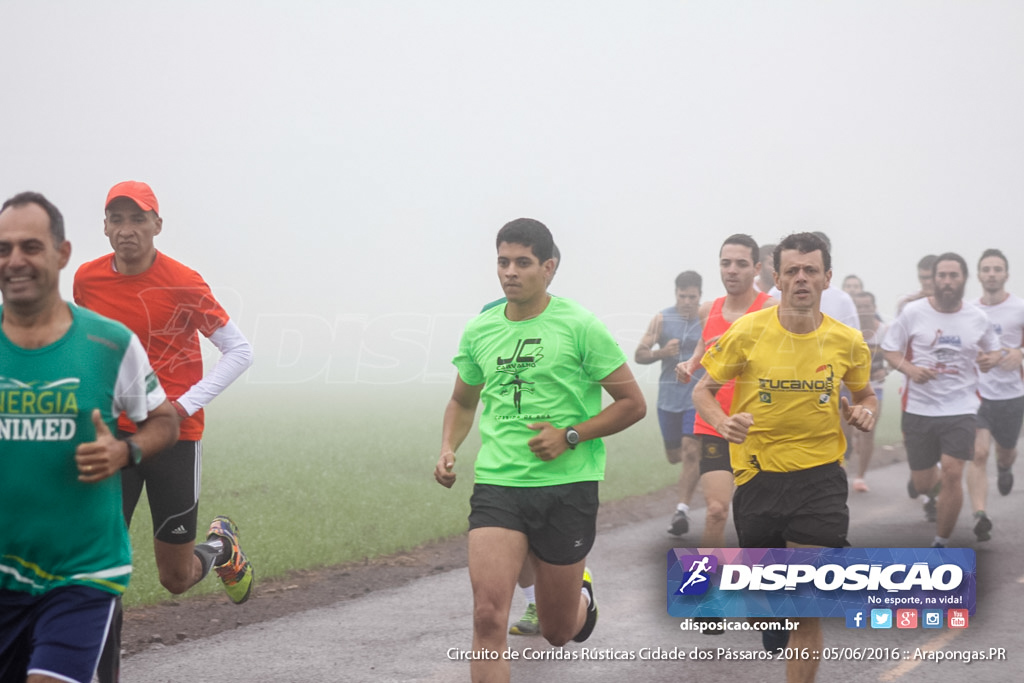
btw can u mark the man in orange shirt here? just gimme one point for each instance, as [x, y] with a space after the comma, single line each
[167, 304]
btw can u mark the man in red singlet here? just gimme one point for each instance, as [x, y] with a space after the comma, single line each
[738, 264]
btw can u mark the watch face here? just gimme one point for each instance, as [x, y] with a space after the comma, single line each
[572, 436]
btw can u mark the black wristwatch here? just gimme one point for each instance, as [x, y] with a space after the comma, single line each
[134, 454]
[572, 437]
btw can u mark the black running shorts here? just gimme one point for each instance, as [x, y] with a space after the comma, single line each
[560, 522]
[806, 507]
[172, 479]
[1003, 419]
[927, 438]
[714, 454]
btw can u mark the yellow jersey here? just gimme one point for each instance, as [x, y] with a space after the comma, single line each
[789, 383]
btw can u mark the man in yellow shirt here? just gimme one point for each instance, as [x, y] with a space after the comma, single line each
[786, 440]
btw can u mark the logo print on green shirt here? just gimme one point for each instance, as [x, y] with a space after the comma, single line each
[524, 357]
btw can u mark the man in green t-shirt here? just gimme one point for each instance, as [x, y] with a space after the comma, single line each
[65, 375]
[539, 364]
[527, 625]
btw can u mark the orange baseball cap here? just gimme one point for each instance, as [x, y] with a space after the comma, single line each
[138, 192]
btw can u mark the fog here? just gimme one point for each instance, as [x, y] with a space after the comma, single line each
[338, 170]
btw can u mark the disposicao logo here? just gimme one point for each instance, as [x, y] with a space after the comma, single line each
[819, 582]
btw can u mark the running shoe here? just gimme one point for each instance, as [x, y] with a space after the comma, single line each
[528, 624]
[680, 523]
[1004, 480]
[237, 572]
[983, 527]
[775, 641]
[936, 544]
[860, 486]
[588, 625]
[930, 510]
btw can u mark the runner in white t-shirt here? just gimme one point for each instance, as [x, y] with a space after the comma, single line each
[1001, 389]
[935, 342]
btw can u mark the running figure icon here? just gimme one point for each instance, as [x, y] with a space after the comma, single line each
[697, 573]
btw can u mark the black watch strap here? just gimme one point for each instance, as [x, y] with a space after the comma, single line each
[572, 437]
[134, 454]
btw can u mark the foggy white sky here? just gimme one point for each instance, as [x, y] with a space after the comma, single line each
[351, 161]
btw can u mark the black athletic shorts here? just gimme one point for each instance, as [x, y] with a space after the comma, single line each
[1003, 419]
[714, 454]
[806, 507]
[172, 479]
[560, 522]
[926, 438]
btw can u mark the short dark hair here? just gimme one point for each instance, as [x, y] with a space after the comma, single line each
[864, 294]
[805, 243]
[529, 233]
[854, 277]
[824, 238]
[950, 256]
[56, 219]
[744, 241]
[689, 278]
[927, 262]
[993, 252]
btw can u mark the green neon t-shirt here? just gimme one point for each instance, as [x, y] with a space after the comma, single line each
[545, 369]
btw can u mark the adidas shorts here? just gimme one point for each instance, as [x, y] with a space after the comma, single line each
[171, 478]
[560, 522]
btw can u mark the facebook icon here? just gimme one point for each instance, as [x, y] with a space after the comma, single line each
[855, 618]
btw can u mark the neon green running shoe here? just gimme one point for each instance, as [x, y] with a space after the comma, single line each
[528, 624]
[237, 573]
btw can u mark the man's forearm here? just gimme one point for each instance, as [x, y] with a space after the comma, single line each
[614, 418]
[896, 360]
[645, 355]
[706, 404]
[158, 431]
[458, 420]
[236, 357]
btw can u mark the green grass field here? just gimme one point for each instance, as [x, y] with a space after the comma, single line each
[317, 476]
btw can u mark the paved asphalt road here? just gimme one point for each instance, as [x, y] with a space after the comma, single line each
[406, 634]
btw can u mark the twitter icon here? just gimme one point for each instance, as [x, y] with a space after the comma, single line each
[881, 618]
